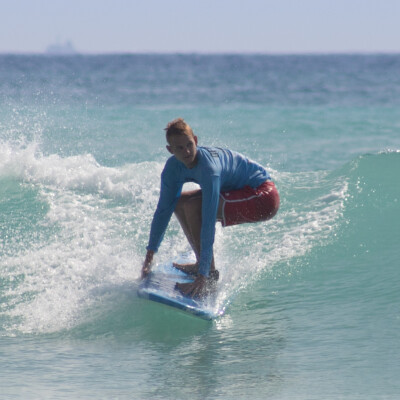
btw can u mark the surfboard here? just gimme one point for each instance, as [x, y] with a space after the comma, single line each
[159, 287]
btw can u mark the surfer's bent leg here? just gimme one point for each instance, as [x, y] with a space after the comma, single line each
[188, 213]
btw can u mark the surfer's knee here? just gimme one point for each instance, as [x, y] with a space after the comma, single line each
[189, 203]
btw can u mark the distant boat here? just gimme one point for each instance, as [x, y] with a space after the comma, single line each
[66, 48]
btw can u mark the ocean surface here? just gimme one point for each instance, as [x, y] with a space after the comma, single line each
[314, 294]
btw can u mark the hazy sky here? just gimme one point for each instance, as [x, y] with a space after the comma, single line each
[261, 26]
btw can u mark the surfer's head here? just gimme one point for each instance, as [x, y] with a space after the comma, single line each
[178, 127]
[182, 143]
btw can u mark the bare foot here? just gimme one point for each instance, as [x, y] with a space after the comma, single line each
[190, 269]
[200, 288]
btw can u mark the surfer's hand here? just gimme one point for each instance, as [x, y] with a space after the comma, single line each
[146, 268]
[193, 289]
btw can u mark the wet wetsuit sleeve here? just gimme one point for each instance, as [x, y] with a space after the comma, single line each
[170, 191]
[210, 189]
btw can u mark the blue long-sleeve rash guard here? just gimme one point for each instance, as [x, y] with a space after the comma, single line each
[217, 170]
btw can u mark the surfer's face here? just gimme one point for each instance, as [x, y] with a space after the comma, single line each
[184, 148]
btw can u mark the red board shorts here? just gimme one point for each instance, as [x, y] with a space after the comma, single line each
[249, 204]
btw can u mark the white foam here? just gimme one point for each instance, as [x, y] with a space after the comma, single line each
[99, 218]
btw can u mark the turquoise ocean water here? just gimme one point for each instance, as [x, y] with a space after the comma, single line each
[315, 299]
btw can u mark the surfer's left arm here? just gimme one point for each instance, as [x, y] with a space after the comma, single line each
[210, 200]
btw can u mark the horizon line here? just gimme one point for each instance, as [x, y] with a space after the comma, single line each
[203, 53]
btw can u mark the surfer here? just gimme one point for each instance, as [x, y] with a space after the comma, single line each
[233, 190]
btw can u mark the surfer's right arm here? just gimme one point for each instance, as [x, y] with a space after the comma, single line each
[171, 187]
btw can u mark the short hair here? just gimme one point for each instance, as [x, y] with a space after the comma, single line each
[178, 127]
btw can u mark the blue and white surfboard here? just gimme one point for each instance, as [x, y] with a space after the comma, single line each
[159, 286]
